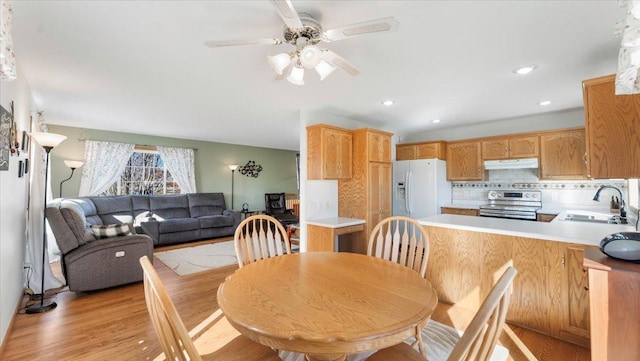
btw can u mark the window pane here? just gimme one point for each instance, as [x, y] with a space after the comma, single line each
[144, 174]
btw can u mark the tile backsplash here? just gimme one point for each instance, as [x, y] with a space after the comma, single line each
[560, 193]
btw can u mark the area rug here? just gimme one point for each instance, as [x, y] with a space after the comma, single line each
[186, 261]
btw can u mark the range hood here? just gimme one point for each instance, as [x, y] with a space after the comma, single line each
[511, 163]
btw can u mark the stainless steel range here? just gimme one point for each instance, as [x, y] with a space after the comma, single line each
[512, 204]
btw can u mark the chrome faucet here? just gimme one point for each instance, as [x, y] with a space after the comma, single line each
[623, 211]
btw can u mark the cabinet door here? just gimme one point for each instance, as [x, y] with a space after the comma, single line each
[379, 147]
[562, 155]
[332, 154]
[379, 192]
[464, 161]
[405, 152]
[575, 298]
[612, 124]
[431, 150]
[344, 163]
[495, 149]
[524, 147]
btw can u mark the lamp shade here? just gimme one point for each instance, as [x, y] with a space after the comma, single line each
[297, 76]
[48, 140]
[324, 69]
[233, 166]
[279, 62]
[73, 164]
[310, 56]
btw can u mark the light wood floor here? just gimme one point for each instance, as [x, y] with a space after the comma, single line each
[114, 325]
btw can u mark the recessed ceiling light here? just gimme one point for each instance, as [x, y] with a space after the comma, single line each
[545, 102]
[388, 103]
[525, 69]
[435, 121]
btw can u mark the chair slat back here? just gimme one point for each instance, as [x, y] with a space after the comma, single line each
[402, 240]
[481, 336]
[259, 237]
[172, 334]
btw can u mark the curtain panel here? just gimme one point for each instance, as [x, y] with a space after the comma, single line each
[104, 162]
[181, 163]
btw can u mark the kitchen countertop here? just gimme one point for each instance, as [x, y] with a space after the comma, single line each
[560, 231]
[335, 222]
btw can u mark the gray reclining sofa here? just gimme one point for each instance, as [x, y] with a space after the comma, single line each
[90, 262]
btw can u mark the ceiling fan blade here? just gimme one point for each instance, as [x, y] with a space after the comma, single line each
[288, 14]
[220, 43]
[339, 62]
[367, 27]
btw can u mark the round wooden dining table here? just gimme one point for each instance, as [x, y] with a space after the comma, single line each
[327, 304]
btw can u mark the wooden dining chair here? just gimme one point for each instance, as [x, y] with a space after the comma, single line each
[259, 237]
[478, 341]
[173, 335]
[402, 240]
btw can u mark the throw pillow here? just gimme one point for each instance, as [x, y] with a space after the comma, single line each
[112, 230]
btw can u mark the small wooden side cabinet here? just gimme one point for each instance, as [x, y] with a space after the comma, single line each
[322, 233]
[614, 294]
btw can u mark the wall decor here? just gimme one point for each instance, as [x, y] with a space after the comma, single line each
[6, 122]
[251, 169]
[20, 168]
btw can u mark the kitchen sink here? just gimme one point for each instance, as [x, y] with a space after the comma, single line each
[593, 217]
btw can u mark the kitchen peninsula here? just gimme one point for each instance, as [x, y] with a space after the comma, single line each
[550, 293]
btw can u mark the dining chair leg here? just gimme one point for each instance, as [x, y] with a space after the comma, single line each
[419, 342]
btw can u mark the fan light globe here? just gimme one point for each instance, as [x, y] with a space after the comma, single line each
[279, 62]
[310, 56]
[324, 69]
[297, 76]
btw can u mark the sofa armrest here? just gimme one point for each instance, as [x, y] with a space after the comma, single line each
[151, 229]
[235, 215]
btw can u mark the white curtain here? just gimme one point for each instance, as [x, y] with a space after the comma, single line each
[103, 164]
[7, 56]
[35, 214]
[181, 163]
[628, 75]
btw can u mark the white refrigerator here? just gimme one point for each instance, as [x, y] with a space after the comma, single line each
[420, 187]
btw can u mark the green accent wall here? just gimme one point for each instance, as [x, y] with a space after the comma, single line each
[212, 173]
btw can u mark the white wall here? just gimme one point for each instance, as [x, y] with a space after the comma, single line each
[13, 205]
[546, 121]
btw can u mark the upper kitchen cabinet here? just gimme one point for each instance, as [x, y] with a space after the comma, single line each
[328, 152]
[423, 150]
[464, 161]
[379, 146]
[562, 155]
[612, 125]
[510, 148]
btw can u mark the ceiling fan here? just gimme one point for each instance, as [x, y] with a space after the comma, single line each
[304, 32]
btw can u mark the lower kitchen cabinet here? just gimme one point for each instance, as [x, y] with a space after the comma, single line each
[549, 292]
[545, 217]
[614, 292]
[459, 211]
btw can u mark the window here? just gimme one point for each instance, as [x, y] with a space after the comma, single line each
[145, 173]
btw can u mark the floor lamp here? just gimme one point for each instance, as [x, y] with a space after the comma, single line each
[47, 141]
[73, 164]
[233, 168]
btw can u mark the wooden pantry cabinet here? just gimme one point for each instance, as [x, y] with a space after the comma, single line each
[366, 195]
[562, 155]
[329, 152]
[464, 161]
[612, 125]
[423, 150]
[511, 148]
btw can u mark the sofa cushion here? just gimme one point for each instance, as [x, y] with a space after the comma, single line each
[114, 209]
[205, 204]
[169, 207]
[68, 237]
[140, 204]
[178, 225]
[215, 221]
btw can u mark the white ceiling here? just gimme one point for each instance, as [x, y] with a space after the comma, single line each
[141, 66]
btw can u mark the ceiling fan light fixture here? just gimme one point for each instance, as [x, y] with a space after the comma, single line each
[310, 56]
[279, 62]
[324, 69]
[296, 76]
